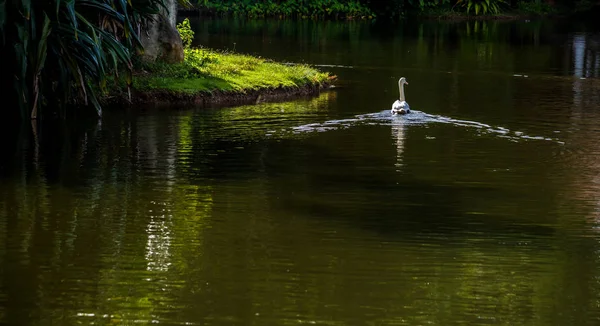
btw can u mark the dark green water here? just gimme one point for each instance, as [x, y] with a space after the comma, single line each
[482, 208]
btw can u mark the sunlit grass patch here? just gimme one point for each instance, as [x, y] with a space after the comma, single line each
[205, 70]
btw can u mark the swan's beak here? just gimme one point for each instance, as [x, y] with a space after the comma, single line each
[406, 82]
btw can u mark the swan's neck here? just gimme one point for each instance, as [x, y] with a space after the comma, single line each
[401, 88]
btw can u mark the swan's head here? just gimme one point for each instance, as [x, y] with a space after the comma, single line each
[403, 81]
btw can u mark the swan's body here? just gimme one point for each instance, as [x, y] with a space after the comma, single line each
[401, 106]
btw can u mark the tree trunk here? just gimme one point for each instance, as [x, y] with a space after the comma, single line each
[160, 39]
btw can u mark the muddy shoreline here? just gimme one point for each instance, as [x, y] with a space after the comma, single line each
[215, 98]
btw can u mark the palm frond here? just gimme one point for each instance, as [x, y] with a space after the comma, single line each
[66, 49]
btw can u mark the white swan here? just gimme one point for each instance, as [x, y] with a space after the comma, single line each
[401, 106]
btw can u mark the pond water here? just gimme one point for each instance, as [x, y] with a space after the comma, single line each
[481, 207]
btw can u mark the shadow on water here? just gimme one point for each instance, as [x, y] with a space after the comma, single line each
[401, 208]
[68, 154]
[409, 208]
[51, 146]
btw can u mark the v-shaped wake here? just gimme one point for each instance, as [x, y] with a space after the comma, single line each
[414, 118]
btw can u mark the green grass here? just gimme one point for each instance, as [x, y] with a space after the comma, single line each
[205, 70]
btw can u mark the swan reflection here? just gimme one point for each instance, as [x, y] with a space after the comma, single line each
[398, 126]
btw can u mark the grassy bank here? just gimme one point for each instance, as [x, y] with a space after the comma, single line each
[216, 77]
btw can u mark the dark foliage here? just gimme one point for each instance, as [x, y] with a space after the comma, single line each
[60, 52]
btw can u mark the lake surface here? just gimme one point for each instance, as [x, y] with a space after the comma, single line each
[482, 207]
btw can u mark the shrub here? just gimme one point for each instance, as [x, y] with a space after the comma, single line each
[482, 6]
[535, 7]
[186, 33]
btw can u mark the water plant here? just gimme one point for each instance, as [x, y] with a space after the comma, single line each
[482, 6]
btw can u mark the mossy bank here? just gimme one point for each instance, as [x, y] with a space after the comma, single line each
[210, 77]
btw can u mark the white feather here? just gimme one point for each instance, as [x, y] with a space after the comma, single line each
[401, 106]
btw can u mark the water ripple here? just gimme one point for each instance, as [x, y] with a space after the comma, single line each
[414, 118]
